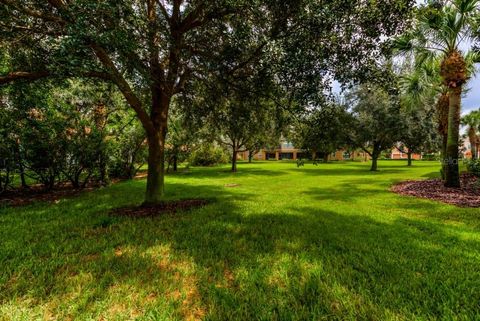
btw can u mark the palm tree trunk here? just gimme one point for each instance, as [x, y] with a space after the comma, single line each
[442, 117]
[472, 135]
[452, 175]
[443, 156]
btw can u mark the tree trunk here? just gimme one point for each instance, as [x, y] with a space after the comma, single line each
[325, 158]
[375, 154]
[156, 148]
[374, 163]
[250, 156]
[409, 155]
[156, 169]
[175, 163]
[19, 161]
[472, 135]
[452, 175]
[22, 175]
[234, 160]
[443, 156]
[442, 117]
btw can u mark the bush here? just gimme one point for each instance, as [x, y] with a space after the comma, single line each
[473, 167]
[85, 148]
[128, 152]
[430, 157]
[7, 151]
[45, 144]
[208, 155]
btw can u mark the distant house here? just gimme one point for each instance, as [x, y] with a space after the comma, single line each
[286, 151]
[398, 154]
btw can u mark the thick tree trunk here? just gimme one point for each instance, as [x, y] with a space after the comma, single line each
[409, 155]
[375, 154]
[374, 163]
[250, 156]
[325, 158]
[234, 160]
[156, 169]
[452, 175]
[156, 148]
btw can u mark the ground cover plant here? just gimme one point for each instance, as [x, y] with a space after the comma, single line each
[276, 242]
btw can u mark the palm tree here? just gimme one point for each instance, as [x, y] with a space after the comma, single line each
[420, 87]
[440, 31]
[472, 120]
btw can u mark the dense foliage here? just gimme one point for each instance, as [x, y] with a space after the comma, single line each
[208, 155]
[473, 166]
[65, 133]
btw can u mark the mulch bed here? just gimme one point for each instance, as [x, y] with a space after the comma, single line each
[468, 195]
[37, 193]
[22, 197]
[168, 207]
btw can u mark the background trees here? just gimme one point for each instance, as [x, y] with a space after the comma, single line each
[151, 49]
[422, 110]
[377, 122]
[323, 130]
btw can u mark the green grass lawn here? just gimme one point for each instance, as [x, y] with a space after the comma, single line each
[327, 242]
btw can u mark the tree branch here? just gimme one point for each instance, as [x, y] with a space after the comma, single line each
[23, 75]
[124, 87]
[33, 13]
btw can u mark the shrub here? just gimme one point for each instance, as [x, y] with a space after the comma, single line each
[7, 151]
[128, 152]
[430, 157]
[473, 167]
[85, 147]
[208, 155]
[45, 144]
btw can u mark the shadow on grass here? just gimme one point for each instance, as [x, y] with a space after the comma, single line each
[225, 172]
[221, 263]
[352, 169]
[320, 264]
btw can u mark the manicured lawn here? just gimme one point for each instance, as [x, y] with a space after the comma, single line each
[327, 242]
